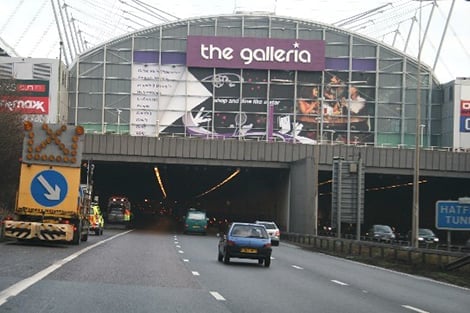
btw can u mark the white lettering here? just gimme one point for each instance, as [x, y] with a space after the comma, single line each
[25, 104]
[271, 54]
[213, 52]
[458, 220]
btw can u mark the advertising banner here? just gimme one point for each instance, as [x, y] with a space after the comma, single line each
[30, 97]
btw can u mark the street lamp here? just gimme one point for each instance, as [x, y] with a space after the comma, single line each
[118, 121]
[415, 209]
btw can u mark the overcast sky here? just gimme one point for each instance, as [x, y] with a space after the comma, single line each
[29, 26]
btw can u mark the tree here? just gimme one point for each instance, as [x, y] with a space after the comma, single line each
[11, 143]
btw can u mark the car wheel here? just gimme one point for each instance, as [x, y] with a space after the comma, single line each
[97, 232]
[267, 261]
[260, 261]
[226, 258]
[220, 257]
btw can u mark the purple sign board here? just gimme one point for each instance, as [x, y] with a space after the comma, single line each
[255, 53]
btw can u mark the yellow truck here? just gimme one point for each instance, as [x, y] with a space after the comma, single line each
[50, 204]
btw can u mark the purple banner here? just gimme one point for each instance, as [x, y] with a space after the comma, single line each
[154, 57]
[255, 53]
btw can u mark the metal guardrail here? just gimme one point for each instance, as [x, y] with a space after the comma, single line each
[398, 251]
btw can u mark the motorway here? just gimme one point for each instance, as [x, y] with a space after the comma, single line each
[159, 269]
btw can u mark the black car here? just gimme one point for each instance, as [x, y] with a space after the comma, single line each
[245, 241]
[425, 236]
[381, 233]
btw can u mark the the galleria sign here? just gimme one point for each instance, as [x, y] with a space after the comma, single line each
[256, 53]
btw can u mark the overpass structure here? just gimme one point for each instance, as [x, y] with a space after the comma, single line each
[297, 207]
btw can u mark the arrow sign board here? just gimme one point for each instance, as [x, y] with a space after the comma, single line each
[452, 215]
[47, 188]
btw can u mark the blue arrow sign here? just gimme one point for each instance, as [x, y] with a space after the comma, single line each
[452, 215]
[49, 188]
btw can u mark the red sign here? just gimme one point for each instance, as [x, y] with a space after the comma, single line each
[31, 87]
[464, 107]
[26, 105]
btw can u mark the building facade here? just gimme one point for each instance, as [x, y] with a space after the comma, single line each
[262, 77]
[40, 88]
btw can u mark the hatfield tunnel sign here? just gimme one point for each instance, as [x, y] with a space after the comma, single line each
[453, 215]
[255, 53]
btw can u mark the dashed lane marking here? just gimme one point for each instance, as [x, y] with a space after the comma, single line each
[217, 296]
[409, 307]
[339, 282]
[297, 267]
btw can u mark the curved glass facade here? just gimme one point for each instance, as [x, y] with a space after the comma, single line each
[256, 77]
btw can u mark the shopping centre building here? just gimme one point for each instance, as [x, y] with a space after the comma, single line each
[250, 76]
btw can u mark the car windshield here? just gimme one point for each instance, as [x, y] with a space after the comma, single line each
[268, 225]
[196, 216]
[249, 231]
[383, 229]
[426, 232]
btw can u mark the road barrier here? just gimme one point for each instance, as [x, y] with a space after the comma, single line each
[386, 251]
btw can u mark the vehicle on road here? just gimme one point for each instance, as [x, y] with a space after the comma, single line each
[96, 220]
[273, 231]
[119, 211]
[425, 236]
[195, 222]
[381, 233]
[51, 205]
[245, 241]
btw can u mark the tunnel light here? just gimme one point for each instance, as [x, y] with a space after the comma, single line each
[159, 180]
[221, 183]
[423, 181]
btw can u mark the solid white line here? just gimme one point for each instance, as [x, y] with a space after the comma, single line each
[414, 309]
[217, 296]
[20, 286]
[339, 282]
[195, 273]
[297, 267]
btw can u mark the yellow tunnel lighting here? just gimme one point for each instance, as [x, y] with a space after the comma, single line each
[159, 180]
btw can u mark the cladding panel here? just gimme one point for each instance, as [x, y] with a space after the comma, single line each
[377, 160]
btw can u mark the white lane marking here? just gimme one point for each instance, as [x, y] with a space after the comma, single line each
[195, 273]
[409, 307]
[217, 296]
[20, 286]
[297, 267]
[180, 251]
[178, 246]
[339, 282]
[185, 260]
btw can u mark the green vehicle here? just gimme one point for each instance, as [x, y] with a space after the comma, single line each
[195, 222]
